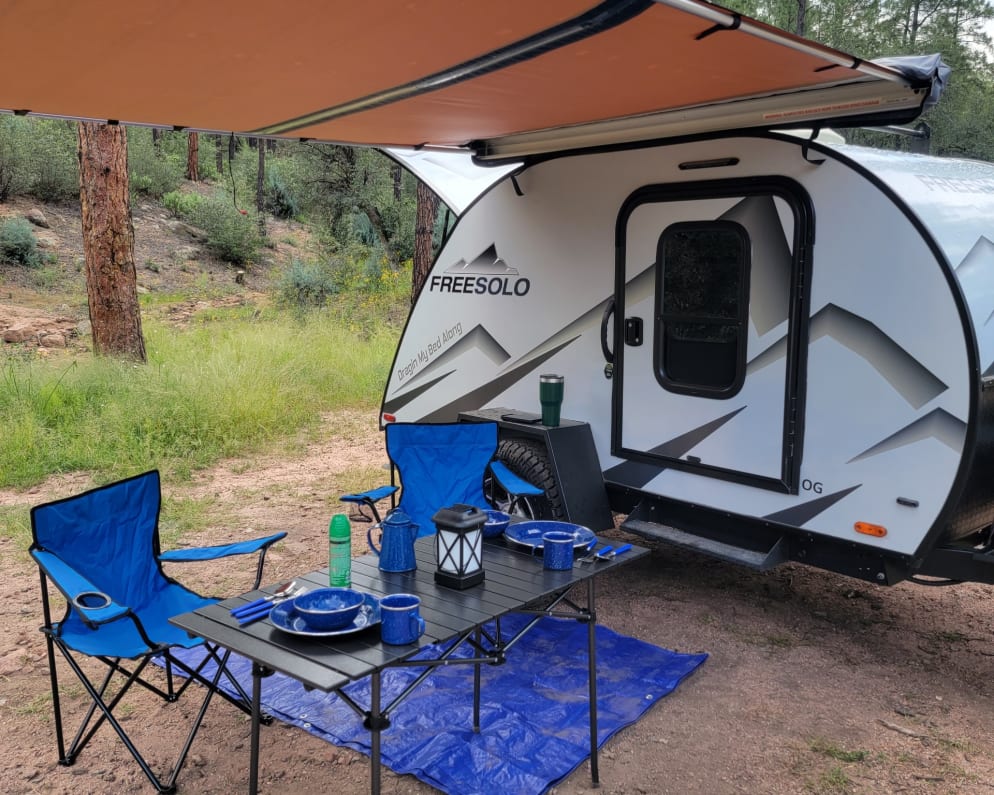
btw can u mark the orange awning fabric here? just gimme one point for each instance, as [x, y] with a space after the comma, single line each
[505, 79]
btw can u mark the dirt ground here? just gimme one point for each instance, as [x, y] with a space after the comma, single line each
[815, 684]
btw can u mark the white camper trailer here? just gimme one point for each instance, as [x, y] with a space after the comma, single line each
[781, 349]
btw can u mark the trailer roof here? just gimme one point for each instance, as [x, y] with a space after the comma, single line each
[504, 79]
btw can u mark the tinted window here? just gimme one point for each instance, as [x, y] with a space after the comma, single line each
[702, 306]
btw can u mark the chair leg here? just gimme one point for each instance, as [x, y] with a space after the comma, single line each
[88, 726]
[56, 702]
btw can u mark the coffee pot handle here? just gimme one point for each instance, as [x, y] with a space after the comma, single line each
[369, 539]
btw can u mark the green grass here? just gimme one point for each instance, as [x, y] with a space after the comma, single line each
[832, 751]
[231, 384]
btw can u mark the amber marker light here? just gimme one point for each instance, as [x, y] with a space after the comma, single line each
[867, 529]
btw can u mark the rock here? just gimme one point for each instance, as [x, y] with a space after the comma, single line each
[192, 231]
[37, 217]
[184, 253]
[53, 341]
[16, 335]
[11, 663]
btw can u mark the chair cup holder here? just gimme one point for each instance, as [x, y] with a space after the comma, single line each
[91, 600]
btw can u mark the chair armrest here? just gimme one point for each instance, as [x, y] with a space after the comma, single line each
[76, 588]
[373, 495]
[220, 551]
[511, 483]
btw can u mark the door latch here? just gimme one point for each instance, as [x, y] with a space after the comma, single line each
[633, 331]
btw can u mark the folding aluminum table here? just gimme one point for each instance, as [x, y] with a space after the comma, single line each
[515, 582]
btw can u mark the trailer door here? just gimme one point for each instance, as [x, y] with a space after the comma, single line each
[711, 281]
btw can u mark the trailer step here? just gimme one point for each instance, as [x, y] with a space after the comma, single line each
[760, 559]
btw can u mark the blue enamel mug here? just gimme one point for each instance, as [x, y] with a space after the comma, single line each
[557, 550]
[400, 619]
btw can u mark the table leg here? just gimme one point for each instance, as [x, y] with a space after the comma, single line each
[257, 673]
[476, 685]
[374, 730]
[592, 676]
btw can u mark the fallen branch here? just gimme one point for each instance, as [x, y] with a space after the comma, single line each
[899, 729]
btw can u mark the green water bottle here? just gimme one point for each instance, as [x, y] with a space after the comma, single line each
[340, 552]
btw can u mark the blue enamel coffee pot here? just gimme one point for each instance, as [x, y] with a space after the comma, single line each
[396, 550]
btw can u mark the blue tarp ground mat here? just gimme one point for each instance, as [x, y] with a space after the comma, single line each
[533, 709]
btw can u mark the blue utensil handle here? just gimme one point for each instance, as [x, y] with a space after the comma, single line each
[249, 618]
[604, 552]
[249, 607]
[622, 548]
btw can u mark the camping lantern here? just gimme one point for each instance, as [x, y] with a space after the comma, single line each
[459, 546]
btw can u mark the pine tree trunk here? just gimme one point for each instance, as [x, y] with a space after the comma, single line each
[424, 228]
[193, 157]
[397, 175]
[109, 241]
[260, 189]
[219, 154]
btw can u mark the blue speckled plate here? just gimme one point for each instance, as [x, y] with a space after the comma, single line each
[529, 533]
[286, 618]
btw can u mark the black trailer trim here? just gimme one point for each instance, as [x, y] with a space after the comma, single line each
[792, 432]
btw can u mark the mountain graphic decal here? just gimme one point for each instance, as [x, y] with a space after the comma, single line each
[486, 262]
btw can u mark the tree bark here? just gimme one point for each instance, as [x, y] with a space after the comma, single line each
[397, 175]
[219, 154]
[424, 229]
[193, 157]
[260, 188]
[109, 241]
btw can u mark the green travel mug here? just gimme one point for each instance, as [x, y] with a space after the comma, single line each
[550, 395]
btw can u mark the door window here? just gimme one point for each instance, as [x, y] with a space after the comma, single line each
[702, 307]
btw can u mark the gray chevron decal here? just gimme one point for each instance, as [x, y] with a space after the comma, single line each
[797, 515]
[938, 424]
[769, 296]
[914, 382]
[394, 405]
[479, 338]
[487, 392]
[637, 473]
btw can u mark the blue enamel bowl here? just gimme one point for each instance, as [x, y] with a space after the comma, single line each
[327, 609]
[497, 522]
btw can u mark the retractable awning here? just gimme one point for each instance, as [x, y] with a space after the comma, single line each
[503, 79]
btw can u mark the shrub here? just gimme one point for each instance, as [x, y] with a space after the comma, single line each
[18, 243]
[231, 233]
[306, 283]
[280, 200]
[182, 205]
[53, 160]
[153, 171]
[38, 157]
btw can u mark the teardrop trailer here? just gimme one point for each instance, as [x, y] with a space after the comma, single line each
[796, 339]
[796, 336]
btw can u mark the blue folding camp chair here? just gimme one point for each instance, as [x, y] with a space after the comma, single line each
[100, 549]
[444, 464]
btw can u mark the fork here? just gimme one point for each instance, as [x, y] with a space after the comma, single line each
[263, 611]
[607, 554]
[591, 556]
[251, 607]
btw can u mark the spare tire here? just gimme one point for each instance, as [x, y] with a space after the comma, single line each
[528, 460]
